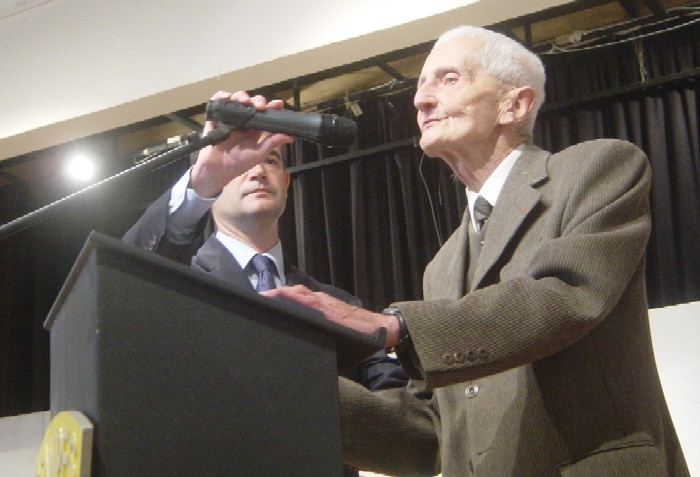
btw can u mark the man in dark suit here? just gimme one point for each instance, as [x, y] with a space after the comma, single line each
[533, 332]
[244, 206]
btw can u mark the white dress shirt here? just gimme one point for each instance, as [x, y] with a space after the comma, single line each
[494, 184]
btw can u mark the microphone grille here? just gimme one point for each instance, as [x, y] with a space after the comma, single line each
[337, 131]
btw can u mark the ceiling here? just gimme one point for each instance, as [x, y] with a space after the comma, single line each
[572, 25]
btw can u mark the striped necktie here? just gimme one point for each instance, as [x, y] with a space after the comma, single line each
[266, 272]
[482, 211]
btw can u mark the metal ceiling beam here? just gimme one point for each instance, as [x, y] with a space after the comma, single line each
[388, 69]
[188, 123]
[528, 34]
[629, 7]
[548, 14]
[656, 8]
[297, 96]
[690, 76]
[311, 78]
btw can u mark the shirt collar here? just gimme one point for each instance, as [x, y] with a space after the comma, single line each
[494, 184]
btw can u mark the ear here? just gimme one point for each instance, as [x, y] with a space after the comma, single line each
[516, 105]
[287, 178]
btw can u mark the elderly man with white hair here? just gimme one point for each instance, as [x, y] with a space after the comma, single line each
[533, 331]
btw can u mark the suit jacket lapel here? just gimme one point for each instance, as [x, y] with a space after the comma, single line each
[447, 272]
[516, 202]
[213, 258]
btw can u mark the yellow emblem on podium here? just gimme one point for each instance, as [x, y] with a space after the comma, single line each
[66, 450]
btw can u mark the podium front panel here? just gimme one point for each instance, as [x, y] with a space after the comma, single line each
[182, 380]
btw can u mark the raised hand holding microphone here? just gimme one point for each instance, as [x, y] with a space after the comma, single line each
[216, 165]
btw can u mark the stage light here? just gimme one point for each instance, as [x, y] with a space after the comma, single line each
[80, 168]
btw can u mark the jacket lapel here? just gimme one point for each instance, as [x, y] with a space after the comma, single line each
[516, 202]
[213, 258]
[446, 273]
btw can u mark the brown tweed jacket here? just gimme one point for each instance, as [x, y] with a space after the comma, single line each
[545, 367]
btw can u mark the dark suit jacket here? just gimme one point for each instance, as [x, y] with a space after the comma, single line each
[545, 366]
[377, 372]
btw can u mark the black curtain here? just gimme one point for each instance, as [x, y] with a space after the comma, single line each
[370, 223]
[645, 92]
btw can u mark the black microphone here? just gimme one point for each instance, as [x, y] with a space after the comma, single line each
[326, 129]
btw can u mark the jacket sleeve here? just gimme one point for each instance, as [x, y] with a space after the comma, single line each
[393, 432]
[149, 233]
[381, 371]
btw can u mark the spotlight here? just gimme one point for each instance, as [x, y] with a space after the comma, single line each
[80, 168]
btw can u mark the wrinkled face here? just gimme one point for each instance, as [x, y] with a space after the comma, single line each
[457, 101]
[259, 193]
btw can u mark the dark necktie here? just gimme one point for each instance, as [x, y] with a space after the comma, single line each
[266, 272]
[482, 210]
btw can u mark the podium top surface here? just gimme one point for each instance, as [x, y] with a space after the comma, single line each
[351, 346]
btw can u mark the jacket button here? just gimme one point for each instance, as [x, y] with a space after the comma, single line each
[483, 354]
[460, 357]
[447, 358]
[472, 390]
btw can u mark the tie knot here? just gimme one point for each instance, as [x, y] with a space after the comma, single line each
[263, 263]
[267, 270]
[482, 210]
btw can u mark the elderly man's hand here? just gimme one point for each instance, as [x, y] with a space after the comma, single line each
[340, 312]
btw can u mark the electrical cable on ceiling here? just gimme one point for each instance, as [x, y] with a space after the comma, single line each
[577, 41]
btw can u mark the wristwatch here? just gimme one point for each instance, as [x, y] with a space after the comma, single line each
[404, 337]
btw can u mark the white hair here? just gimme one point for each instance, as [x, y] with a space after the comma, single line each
[506, 60]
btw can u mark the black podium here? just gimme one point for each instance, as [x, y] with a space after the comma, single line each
[184, 375]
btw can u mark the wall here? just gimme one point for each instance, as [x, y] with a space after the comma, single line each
[674, 331]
